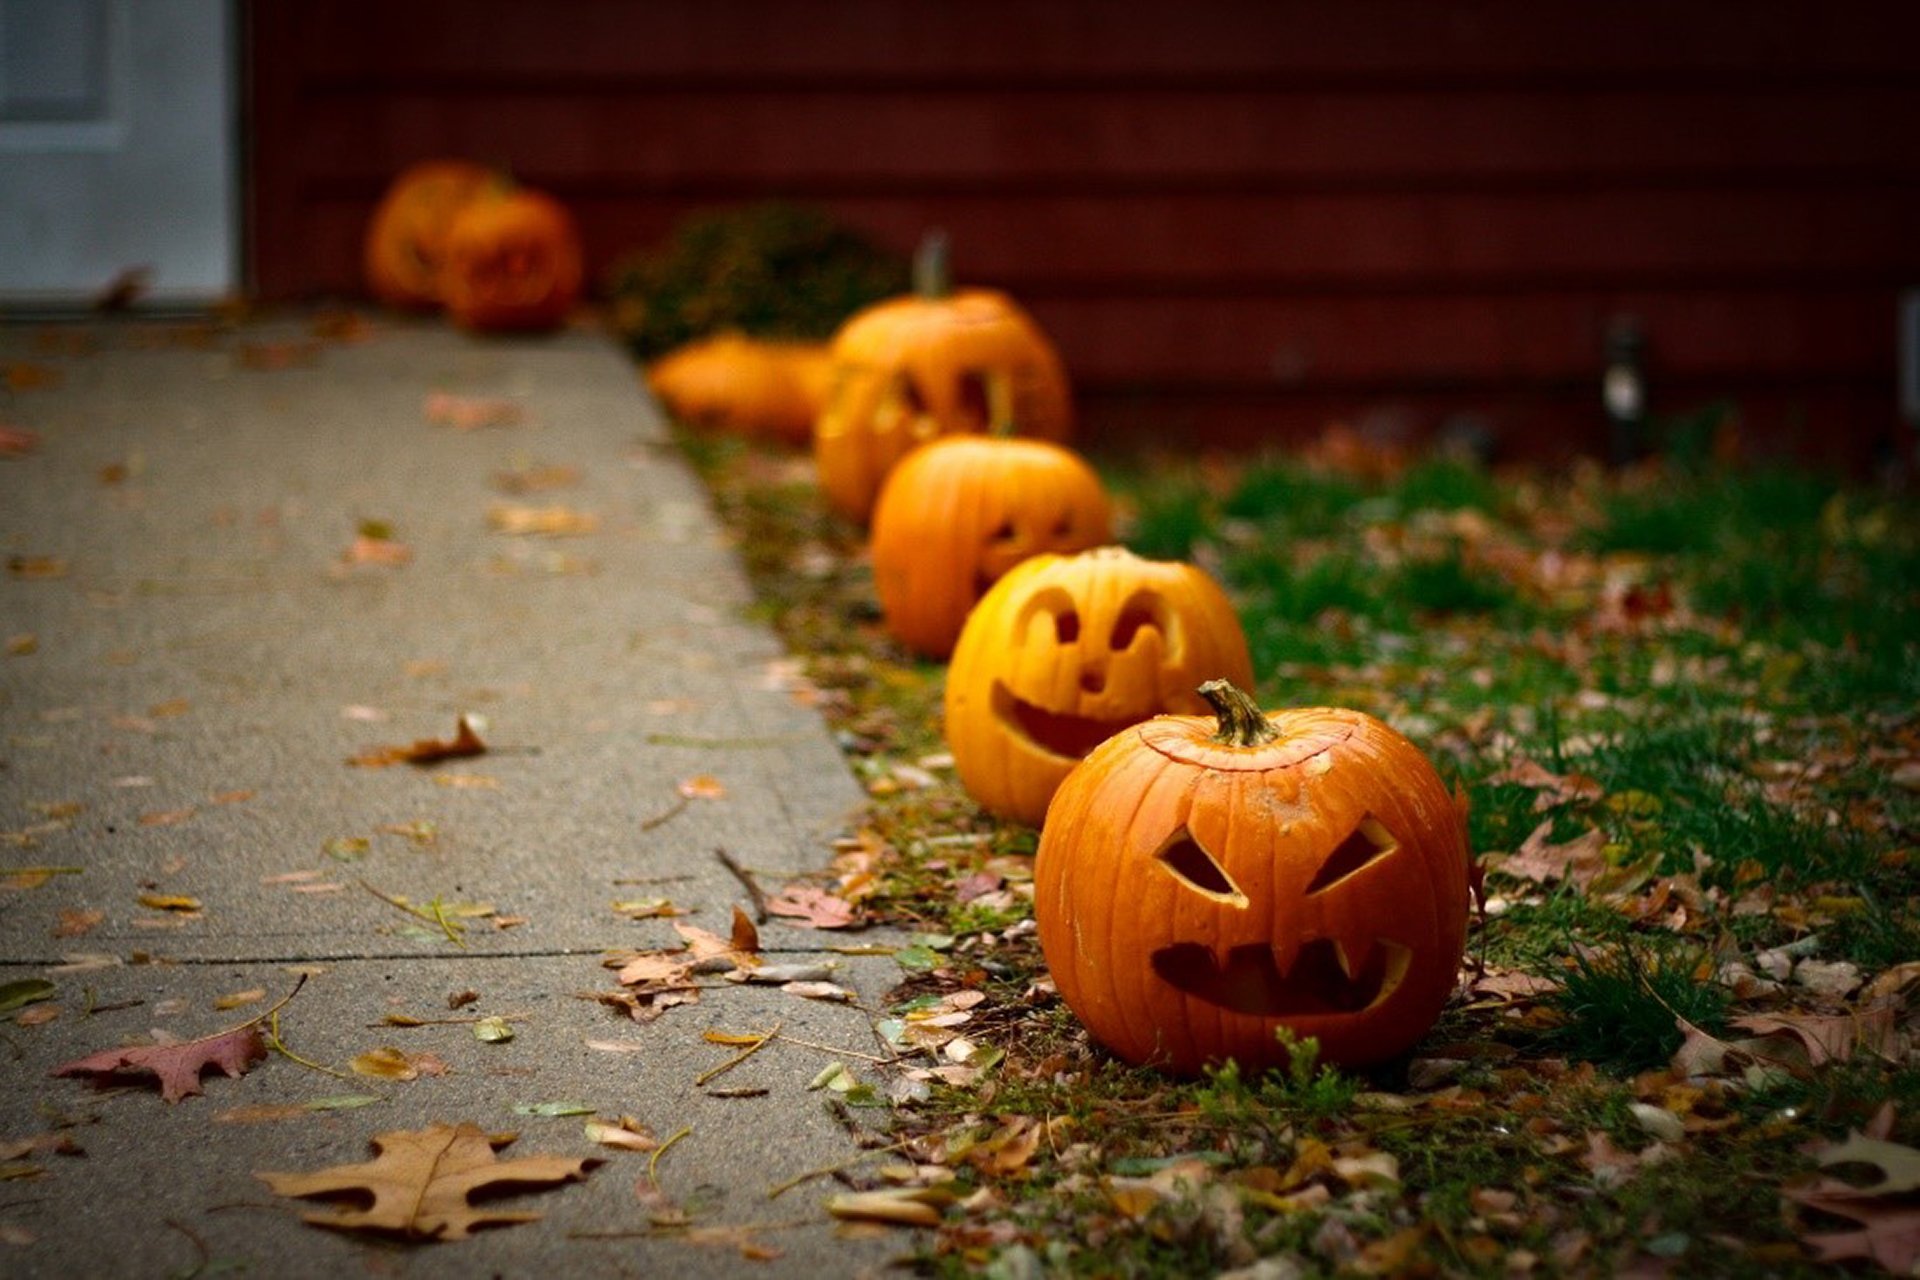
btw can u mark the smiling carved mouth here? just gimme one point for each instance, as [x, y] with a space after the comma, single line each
[1322, 978]
[1056, 732]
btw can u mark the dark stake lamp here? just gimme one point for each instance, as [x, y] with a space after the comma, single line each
[1623, 389]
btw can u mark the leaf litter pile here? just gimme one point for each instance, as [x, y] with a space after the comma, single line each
[1682, 702]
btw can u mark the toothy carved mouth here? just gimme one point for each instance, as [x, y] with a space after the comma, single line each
[1055, 732]
[1322, 978]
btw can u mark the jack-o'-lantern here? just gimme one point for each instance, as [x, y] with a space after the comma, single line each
[1066, 651]
[933, 363]
[407, 235]
[737, 383]
[961, 511]
[1202, 883]
[513, 261]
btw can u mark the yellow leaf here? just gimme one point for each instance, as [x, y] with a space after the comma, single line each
[385, 1063]
[169, 902]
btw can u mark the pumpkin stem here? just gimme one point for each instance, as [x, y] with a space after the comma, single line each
[1242, 722]
[932, 274]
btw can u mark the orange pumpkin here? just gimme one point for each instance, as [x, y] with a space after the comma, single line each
[1065, 651]
[1202, 883]
[745, 384]
[932, 363]
[961, 511]
[407, 235]
[513, 261]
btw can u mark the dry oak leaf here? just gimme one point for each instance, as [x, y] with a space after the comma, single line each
[814, 907]
[421, 1183]
[464, 743]
[1888, 1221]
[178, 1065]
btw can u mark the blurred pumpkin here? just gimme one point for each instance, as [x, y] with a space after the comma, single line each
[932, 363]
[745, 384]
[407, 235]
[513, 261]
[1065, 651]
[1202, 883]
[961, 511]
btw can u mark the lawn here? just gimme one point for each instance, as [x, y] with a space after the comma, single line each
[1681, 701]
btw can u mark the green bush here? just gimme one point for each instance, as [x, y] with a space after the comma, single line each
[772, 270]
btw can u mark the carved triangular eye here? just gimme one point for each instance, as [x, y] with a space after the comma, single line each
[1368, 841]
[1194, 867]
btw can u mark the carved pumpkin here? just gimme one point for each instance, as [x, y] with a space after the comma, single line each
[1065, 651]
[933, 363]
[961, 511]
[407, 235]
[737, 383]
[513, 261]
[1200, 884]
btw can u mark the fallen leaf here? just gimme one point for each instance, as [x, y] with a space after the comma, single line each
[16, 442]
[814, 907]
[1888, 1231]
[23, 992]
[385, 1063]
[1578, 860]
[177, 1065]
[166, 817]
[425, 751]
[1554, 789]
[75, 922]
[468, 413]
[624, 1134]
[169, 902]
[553, 1109]
[520, 520]
[59, 1143]
[901, 1207]
[378, 548]
[494, 1030]
[702, 786]
[421, 1183]
[1834, 1037]
[36, 568]
[239, 998]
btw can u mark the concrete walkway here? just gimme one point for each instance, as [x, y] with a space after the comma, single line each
[194, 650]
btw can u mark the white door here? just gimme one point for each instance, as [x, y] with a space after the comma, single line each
[117, 149]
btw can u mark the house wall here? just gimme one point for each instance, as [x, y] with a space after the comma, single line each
[1240, 220]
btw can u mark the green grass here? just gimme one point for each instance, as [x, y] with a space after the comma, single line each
[1728, 663]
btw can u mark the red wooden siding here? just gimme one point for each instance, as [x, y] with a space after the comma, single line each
[1240, 220]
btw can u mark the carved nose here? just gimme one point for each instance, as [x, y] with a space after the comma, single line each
[1093, 679]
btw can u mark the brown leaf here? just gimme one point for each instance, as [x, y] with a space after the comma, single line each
[746, 937]
[1889, 1221]
[1539, 860]
[369, 549]
[1833, 1037]
[425, 751]
[814, 907]
[16, 442]
[421, 1183]
[468, 413]
[75, 922]
[36, 568]
[1554, 789]
[178, 1065]
[541, 522]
